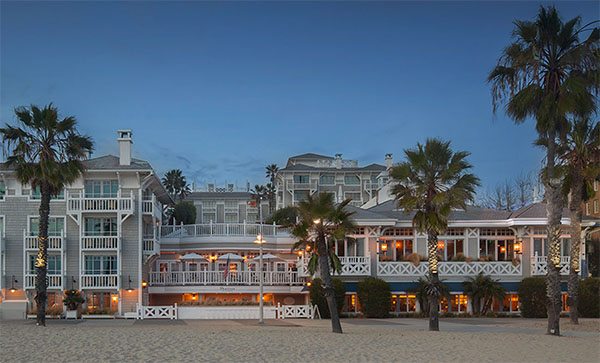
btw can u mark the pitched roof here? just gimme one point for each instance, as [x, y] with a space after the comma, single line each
[303, 167]
[389, 209]
[311, 156]
[106, 162]
[218, 195]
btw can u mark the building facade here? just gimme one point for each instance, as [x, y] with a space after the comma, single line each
[103, 229]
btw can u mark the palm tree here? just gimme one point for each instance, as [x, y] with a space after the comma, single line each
[427, 287]
[580, 152]
[272, 170]
[547, 73]
[320, 223]
[45, 152]
[258, 194]
[431, 182]
[175, 183]
[482, 288]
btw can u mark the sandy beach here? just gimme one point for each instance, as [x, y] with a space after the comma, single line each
[466, 340]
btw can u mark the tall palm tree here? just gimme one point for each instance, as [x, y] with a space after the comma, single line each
[320, 223]
[547, 73]
[258, 194]
[175, 183]
[272, 170]
[580, 151]
[431, 182]
[45, 152]
[483, 289]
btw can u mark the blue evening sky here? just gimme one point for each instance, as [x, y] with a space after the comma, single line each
[222, 89]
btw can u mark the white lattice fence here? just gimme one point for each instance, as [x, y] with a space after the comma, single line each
[157, 312]
[494, 268]
[296, 311]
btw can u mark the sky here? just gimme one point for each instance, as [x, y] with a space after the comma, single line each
[221, 89]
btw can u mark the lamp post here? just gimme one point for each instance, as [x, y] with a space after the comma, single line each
[260, 241]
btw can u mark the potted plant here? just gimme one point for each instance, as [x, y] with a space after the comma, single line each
[73, 301]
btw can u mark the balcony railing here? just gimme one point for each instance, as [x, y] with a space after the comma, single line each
[221, 229]
[351, 266]
[539, 265]
[99, 281]
[150, 246]
[79, 203]
[31, 242]
[151, 207]
[493, 268]
[180, 278]
[311, 185]
[54, 281]
[99, 242]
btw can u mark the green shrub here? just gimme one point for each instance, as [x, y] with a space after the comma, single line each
[532, 296]
[374, 297]
[589, 298]
[317, 296]
[184, 212]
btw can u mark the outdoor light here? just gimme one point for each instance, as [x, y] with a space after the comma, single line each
[12, 287]
[384, 247]
[144, 283]
[115, 298]
[317, 221]
[260, 241]
[129, 288]
[519, 246]
[309, 283]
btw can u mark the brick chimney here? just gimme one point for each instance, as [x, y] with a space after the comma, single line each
[125, 143]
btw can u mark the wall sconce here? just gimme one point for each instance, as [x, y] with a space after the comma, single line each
[144, 283]
[519, 246]
[13, 282]
[129, 288]
[115, 298]
[384, 247]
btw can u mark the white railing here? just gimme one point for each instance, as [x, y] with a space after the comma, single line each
[31, 242]
[99, 281]
[150, 245]
[311, 185]
[99, 242]
[54, 281]
[351, 266]
[179, 278]
[296, 311]
[539, 265]
[157, 312]
[78, 203]
[493, 268]
[147, 206]
[221, 229]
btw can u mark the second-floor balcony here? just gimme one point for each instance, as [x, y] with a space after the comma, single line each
[55, 281]
[222, 229]
[539, 265]
[351, 266]
[100, 281]
[55, 243]
[99, 243]
[449, 269]
[250, 278]
[150, 245]
[83, 203]
[150, 206]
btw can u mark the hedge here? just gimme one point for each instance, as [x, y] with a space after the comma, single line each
[589, 298]
[374, 297]
[317, 296]
[532, 296]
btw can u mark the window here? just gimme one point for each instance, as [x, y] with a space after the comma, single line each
[327, 179]
[448, 249]
[353, 196]
[587, 209]
[54, 264]
[231, 218]
[100, 265]
[36, 194]
[540, 246]
[101, 188]
[209, 217]
[209, 204]
[100, 226]
[2, 190]
[596, 207]
[56, 225]
[496, 250]
[596, 183]
[404, 303]
[351, 180]
[300, 195]
[510, 303]
[458, 303]
[403, 248]
[231, 204]
[301, 178]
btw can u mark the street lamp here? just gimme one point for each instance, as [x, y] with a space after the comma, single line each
[260, 241]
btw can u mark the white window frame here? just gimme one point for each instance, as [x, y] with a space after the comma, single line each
[31, 217]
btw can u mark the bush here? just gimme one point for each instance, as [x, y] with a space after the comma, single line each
[184, 212]
[317, 296]
[589, 298]
[532, 296]
[374, 297]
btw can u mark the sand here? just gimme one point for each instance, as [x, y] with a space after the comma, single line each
[391, 340]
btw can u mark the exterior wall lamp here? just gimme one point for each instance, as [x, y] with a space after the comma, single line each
[129, 288]
[12, 284]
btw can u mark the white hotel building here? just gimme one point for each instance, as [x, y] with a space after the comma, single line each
[104, 237]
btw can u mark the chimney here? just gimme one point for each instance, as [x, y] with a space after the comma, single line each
[389, 161]
[125, 142]
[338, 161]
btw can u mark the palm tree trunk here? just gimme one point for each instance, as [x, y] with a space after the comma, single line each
[434, 299]
[476, 305]
[41, 261]
[328, 290]
[554, 213]
[575, 214]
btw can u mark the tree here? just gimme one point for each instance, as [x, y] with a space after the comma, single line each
[175, 183]
[547, 73]
[46, 153]
[431, 182]
[321, 222]
[317, 296]
[271, 171]
[285, 217]
[184, 212]
[483, 289]
[427, 287]
[258, 194]
[578, 156]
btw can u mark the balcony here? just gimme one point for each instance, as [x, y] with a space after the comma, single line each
[539, 265]
[55, 243]
[248, 278]
[54, 281]
[94, 243]
[450, 269]
[351, 266]
[99, 281]
[150, 246]
[151, 207]
[222, 229]
[78, 203]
